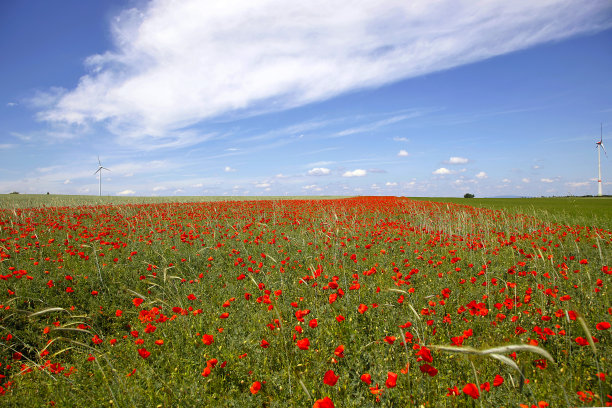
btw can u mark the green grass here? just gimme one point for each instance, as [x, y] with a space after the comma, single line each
[447, 269]
[591, 211]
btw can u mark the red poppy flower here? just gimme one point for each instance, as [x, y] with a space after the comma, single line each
[453, 391]
[366, 378]
[303, 344]
[150, 328]
[391, 379]
[323, 403]
[429, 370]
[582, 341]
[362, 308]
[313, 323]
[144, 353]
[457, 341]
[471, 390]
[330, 378]
[264, 344]
[602, 326]
[255, 387]
[206, 372]
[208, 339]
[424, 355]
[137, 301]
[498, 380]
[224, 315]
[339, 352]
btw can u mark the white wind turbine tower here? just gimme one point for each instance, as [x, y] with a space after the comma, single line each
[100, 168]
[599, 147]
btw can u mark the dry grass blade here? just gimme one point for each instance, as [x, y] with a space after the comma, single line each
[305, 389]
[496, 350]
[49, 310]
[70, 329]
[506, 360]
[588, 333]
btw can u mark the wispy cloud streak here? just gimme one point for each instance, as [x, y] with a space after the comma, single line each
[176, 64]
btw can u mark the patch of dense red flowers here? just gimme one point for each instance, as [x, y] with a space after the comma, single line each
[348, 297]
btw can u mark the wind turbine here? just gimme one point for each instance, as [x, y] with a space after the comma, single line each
[100, 168]
[600, 145]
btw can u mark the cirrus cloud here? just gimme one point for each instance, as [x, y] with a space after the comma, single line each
[176, 64]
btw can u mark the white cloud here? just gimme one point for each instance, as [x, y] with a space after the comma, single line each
[262, 185]
[525, 180]
[175, 64]
[228, 169]
[547, 180]
[390, 184]
[442, 170]
[67, 181]
[159, 188]
[376, 125]
[126, 192]
[457, 160]
[506, 180]
[354, 173]
[401, 139]
[312, 187]
[198, 185]
[482, 175]
[579, 183]
[319, 171]
[403, 153]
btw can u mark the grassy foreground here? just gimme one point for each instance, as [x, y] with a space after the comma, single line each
[370, 301]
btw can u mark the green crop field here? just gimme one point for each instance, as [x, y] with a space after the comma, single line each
[592, 211]
[55, 200]
[275, 302]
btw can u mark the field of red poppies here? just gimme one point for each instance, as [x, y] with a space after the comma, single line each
[372, 301]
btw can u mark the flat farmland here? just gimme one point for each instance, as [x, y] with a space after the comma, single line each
[347, 302]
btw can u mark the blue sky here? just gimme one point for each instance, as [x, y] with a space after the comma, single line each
[420, 98]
